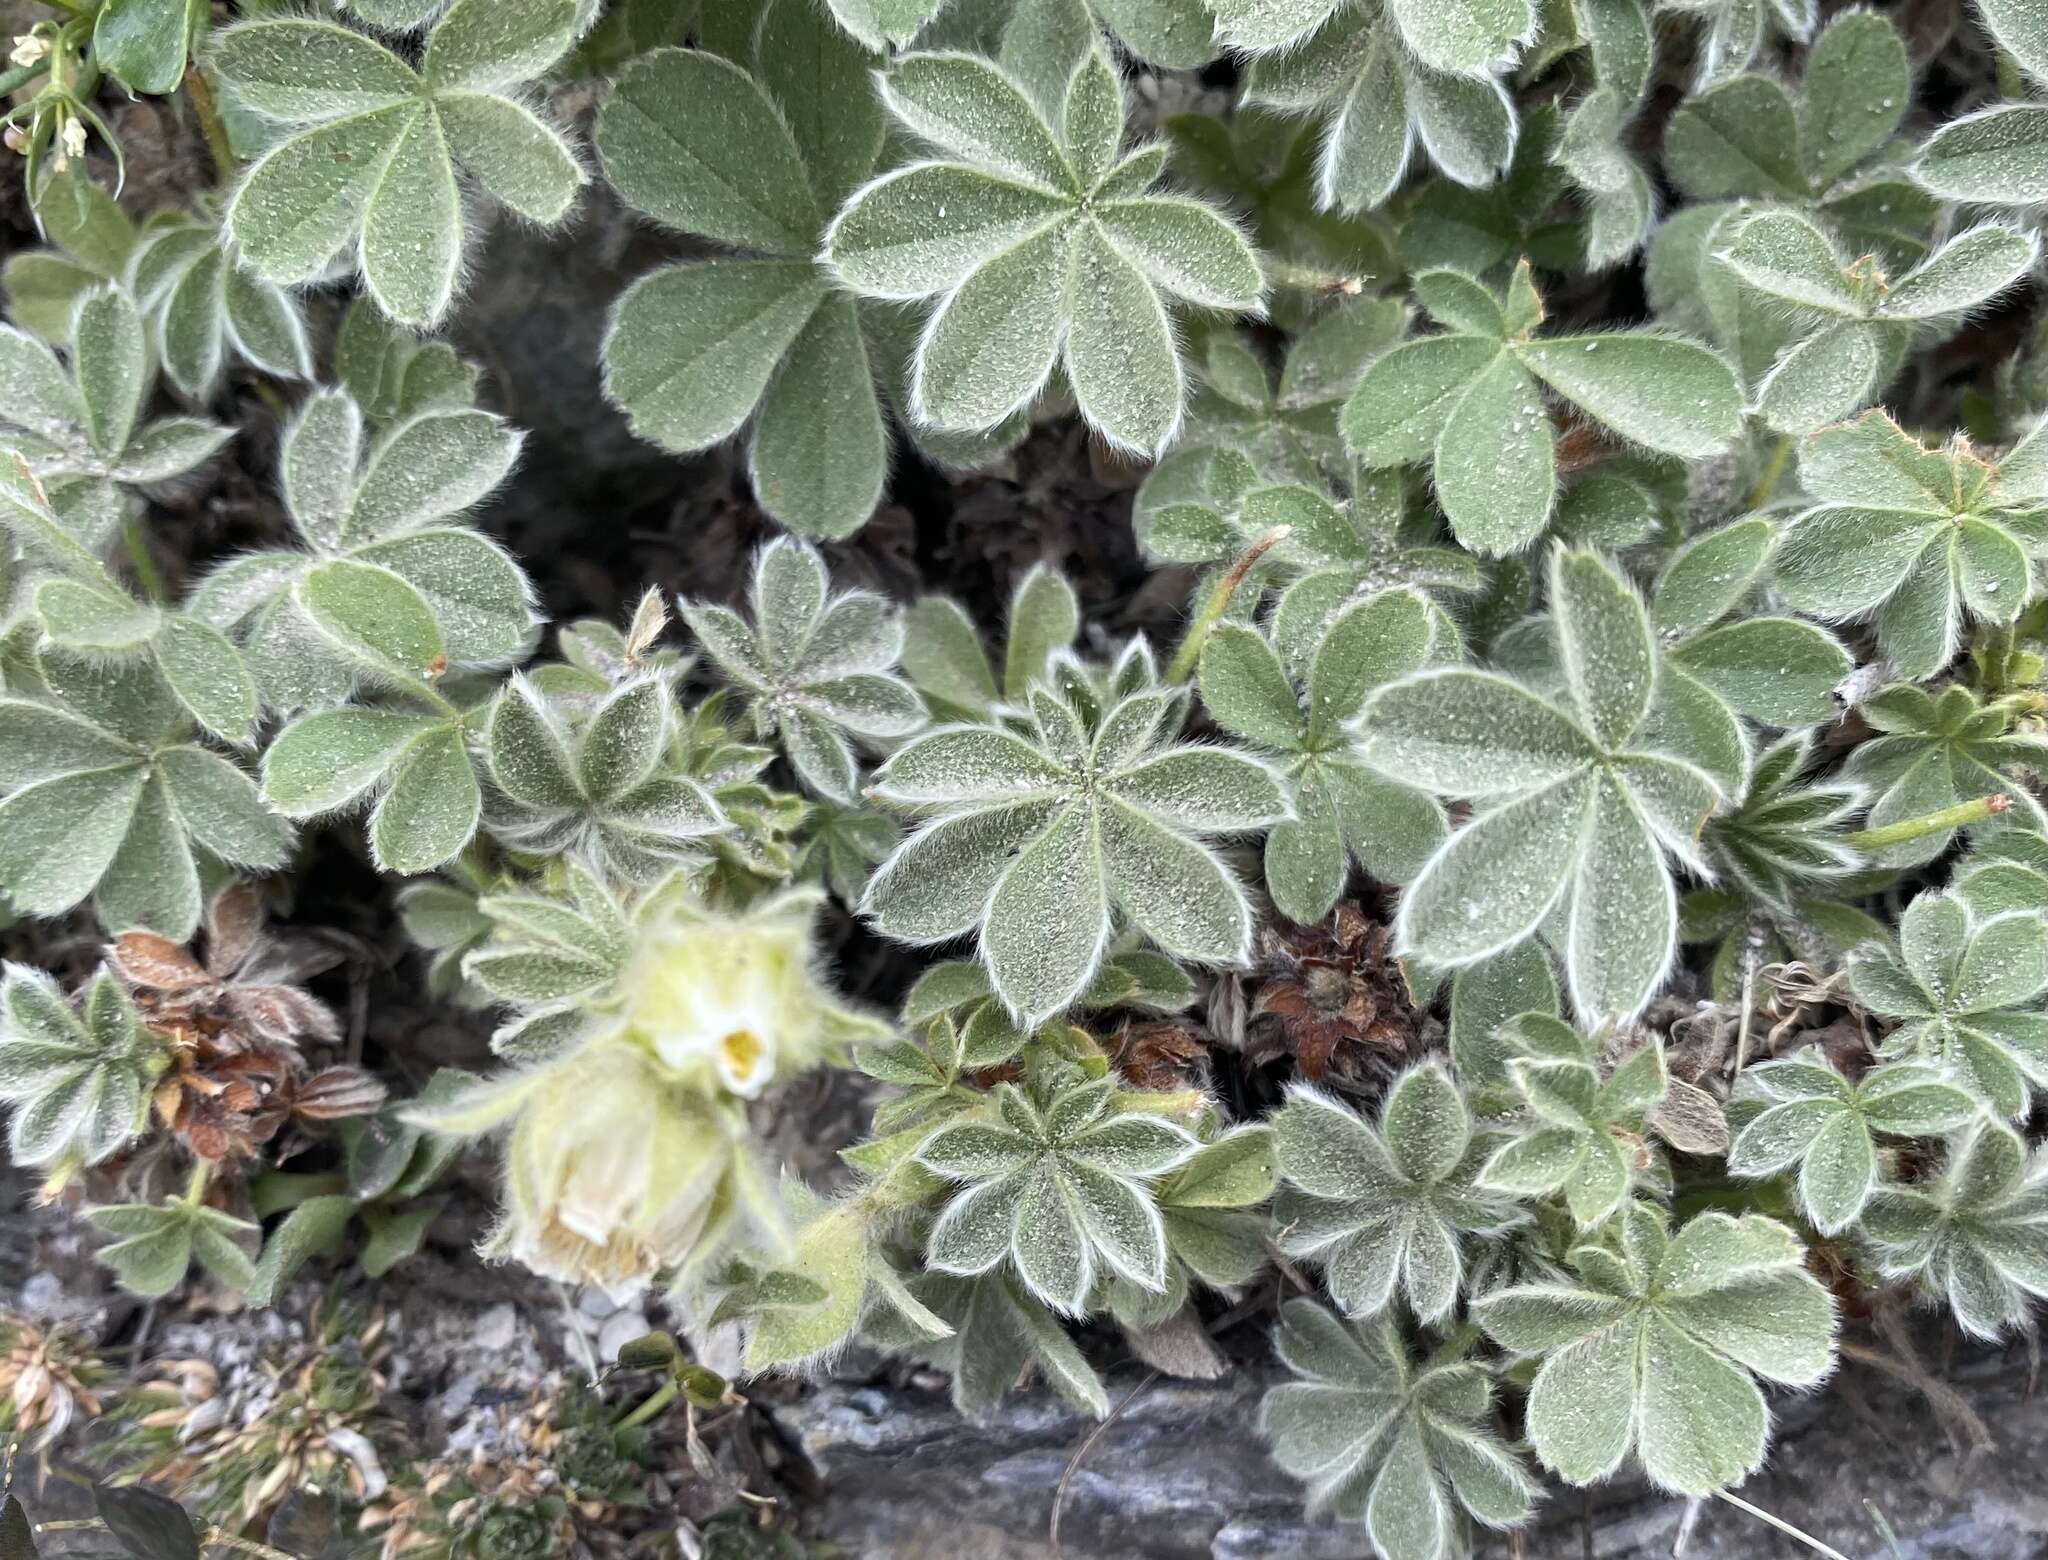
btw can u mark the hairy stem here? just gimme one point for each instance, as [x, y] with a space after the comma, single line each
[1904, 832]
[199, 93]
[147, 574]
[1774, 470]
[1217, 603]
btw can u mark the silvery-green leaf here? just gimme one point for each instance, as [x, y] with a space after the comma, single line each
[1046, 918]
[374, 617]
[1667, 394]
[1737, 138]
[1967, 271]
[514, 153]
[927, 227]
[1495, 461]
[1467, 124]
[302, 71]
[1603, 636]
[1854, 91]
[1183, 898]
[1120, 354]
[479, 599]
[110, 356]
[822, 476]
[968, 108]
[93, 620]
[1624, 917]
[1406, 397]
[992, 341]
[58, 836]
[411, 247]
[1469, 733]
[324, 761]
[1186, 248]
[1470, 37]
[208, 675]
[1494, 882]
[302, 201]
[2021, 28]
[427, 468]
[1995, 156]
[429, 809]
[266, 326]
[693, 346]
[694, 142]
[221, 809]
[152, 881]
[493, 44]
[1823, 378]
[1785, 256]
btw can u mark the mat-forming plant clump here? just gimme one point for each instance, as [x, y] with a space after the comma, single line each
[1572, 892]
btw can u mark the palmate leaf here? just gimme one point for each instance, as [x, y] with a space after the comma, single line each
[754, 154]
[1935, 752]
[1976, 1236]
[1039, 838]
[1374, 100]
[78, 1079]
[1576, 811]
[107, 797]
[154, 1245]
[596, 778]
[1058, 1188]
[1783, 839]
[818, 668]
[1821, 1123]
[78, 425]
[1387, 1211]
[943, 655]
[1040, 247]
[417, 767]
[1864, 320]
[1937, 541]
[382, 512]
[1341, 808]
[1470, 402]
[1966, 992]
[206, 310]
[1581, 1131]
[1653, 1349]
[1405, 1446]
[369, 163]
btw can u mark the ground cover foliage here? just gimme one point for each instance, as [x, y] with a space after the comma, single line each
[1558, 922]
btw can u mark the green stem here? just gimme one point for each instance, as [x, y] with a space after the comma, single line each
[1218, 602]
[199, 93]
[1774, 468]
[2011, 84]
[19, 76]
[1960, 816]
[147, 575]
[663, 1395]
[1343, 284]
[195, 1188]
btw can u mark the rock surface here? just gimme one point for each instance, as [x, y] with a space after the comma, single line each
[1181, 1475]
